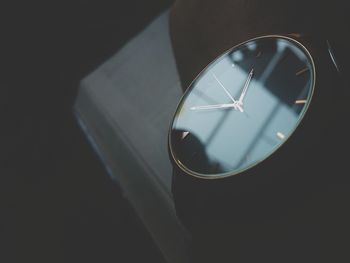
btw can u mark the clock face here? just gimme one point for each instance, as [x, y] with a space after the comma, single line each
[242, 107]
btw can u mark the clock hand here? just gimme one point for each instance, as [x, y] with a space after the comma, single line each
[226, 91]
[217, 106]
[245, 88]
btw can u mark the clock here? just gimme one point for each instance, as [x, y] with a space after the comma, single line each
[242, 108]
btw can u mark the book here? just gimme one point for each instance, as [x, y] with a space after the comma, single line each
[125, 107]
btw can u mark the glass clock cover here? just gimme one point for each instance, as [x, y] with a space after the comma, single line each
[242, 107]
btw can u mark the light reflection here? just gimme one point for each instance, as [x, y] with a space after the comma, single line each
[238, 56]
[263, 122]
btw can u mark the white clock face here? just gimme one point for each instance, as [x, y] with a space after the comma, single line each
[242, 107]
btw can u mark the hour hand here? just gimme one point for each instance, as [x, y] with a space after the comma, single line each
[245, 88]
[218, 106]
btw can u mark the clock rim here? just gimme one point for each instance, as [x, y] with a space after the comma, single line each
[294, 38]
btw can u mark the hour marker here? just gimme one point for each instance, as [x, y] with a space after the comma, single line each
[259, 54]
[300, 101]
[184, 134]
[301, 71]
[280, 135]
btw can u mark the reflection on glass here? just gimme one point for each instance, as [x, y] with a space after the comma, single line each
[242, 107]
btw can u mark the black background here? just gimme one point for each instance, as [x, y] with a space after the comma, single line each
[57, 204]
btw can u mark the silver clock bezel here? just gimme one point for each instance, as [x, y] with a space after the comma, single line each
[184, 169]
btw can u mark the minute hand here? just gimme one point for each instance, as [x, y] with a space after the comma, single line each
[245, 88]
